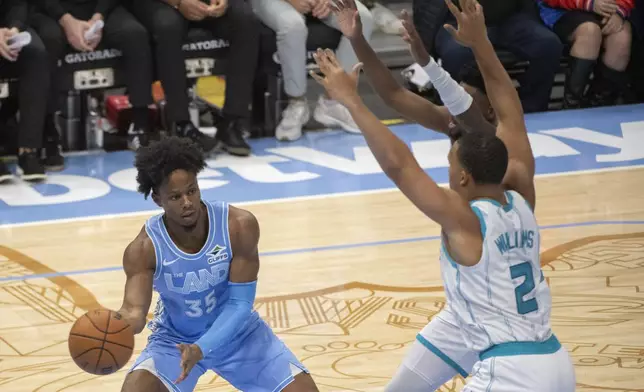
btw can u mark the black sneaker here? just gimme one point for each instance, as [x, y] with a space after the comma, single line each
[188, 130]
[5, 174]
[52, 157]
[51, 154]
[30, 168]
[230, 135]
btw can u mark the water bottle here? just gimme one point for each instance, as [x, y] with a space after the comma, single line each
[193, 109]
[94, 133]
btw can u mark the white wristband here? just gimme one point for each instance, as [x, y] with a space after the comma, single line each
[453, 95]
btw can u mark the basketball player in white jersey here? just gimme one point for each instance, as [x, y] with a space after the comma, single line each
[496, 325]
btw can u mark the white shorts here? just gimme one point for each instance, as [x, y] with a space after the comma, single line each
[438, 355]
[524, 373]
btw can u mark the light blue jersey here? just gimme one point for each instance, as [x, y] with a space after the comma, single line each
[193, 289]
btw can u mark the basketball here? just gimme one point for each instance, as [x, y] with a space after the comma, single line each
[101, 342]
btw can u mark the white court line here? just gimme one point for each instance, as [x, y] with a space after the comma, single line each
[286, 199]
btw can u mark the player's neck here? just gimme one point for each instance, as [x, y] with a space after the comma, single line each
[190, 239]
[494, 192]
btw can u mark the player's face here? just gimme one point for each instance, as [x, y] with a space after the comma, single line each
[482, 102]
[180, 198]
[458, 178]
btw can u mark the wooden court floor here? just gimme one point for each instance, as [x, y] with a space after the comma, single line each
[347, 282]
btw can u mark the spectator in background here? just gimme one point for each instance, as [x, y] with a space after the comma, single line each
[287, 19]
[590, 26]
[63, 23]
[636, 66]
[512, 28]
[168, 21]
[29, 64]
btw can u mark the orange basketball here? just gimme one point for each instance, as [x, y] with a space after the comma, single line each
[101, 342]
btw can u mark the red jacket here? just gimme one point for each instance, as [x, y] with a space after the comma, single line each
[624, 7]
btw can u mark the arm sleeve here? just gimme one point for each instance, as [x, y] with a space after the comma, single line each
[235, 312]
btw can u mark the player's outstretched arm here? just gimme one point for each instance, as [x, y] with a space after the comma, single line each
[441, 205]
[503, 96]
[408, 104]
[242, 281]
[139, 264]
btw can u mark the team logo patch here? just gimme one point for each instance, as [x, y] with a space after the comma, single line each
[218, 253]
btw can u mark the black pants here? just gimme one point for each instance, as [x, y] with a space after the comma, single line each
[168, 28]
[123, 32]
[527, 39]
[34, 79]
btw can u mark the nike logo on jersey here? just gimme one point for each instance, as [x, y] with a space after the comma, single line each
[166, 262]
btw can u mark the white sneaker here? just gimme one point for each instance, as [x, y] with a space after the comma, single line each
[386, 20]
[333, 114]
[294, 117]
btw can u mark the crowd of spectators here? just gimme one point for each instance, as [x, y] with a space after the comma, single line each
[597, 37]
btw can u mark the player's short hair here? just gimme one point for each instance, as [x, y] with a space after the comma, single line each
[483, 155]
[471, 75]
[155, 162]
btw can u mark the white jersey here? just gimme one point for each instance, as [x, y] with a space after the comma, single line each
[504, 297]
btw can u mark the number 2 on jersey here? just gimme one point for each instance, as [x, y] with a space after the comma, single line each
[525, 270]
[196, 308]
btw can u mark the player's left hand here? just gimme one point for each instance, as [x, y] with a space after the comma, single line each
[190, 355]
[341, 86]
[217, 8]
[471, 23]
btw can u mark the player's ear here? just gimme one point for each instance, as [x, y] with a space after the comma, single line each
[491, 115]
[156, 198]
[465, 179]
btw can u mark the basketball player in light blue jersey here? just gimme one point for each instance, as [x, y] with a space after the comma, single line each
[496, 324]
[202, 259]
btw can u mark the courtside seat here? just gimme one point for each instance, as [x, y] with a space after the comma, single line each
[205, 53]
[86, 75]
[100, 69]
[94, 70]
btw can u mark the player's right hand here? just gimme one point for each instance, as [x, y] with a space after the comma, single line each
[605, 8]
[190, 355]
[410, 35]
[340, 85]
[346, 12]
[5, 51]
[194, 10]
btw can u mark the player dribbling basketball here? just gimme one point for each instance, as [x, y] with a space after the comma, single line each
[202, 259]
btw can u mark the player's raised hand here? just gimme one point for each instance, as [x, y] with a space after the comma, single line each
[190, 355]
[410, 35]
[346, 12]
[341, 86]
[471, 23]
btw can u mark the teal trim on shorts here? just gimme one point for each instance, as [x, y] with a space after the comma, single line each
[441, 355]
[549, 346]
